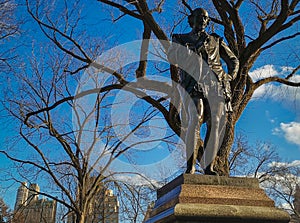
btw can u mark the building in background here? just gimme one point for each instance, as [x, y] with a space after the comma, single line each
[30, 209]
[33, 193]
[104, 208]
[22, 195]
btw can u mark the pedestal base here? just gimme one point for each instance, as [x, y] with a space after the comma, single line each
[211, 199]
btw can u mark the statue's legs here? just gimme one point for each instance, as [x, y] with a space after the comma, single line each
[194, 110]
[215, 128]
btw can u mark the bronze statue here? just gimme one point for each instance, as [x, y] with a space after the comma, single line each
[209, 49]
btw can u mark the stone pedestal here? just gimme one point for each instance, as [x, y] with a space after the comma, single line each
[211, 199]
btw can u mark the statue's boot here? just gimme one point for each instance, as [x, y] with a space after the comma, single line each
[209, 170]
[191, 165]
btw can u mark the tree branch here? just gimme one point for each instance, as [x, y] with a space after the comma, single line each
[55, 41]
[156, 29]
[293, 73]
[238, 4]
[141, 70]
[121, 8]
[280, 40]
[276, 79]
[265, 36]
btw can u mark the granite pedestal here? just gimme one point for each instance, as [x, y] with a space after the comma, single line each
[211, 199]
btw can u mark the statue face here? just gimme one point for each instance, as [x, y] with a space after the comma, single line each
[200, 19]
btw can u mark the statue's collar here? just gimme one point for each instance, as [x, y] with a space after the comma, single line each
[199, 33]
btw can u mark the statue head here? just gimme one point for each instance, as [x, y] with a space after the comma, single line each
[198, 20]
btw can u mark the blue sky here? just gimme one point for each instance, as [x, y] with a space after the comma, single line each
[273, 115]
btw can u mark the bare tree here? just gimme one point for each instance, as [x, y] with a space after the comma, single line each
[255, 160]
[282, 186]
[5, 214]
[8, 24]
[45, 90]
[134, 201]
[72, 152]
[274, 24]
[65, 156]
[278, 178]
[9, 28]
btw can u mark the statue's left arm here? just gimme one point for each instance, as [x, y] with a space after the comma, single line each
[230, 59]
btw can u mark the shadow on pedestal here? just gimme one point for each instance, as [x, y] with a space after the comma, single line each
[211, 199]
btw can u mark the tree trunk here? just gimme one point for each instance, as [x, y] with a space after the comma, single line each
[80, 218]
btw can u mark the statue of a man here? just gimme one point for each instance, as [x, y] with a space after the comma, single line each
[211, 48]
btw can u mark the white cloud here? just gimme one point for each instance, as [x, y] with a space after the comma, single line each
[285, 184]
[295, 78]
[260, 92]
[277, 92]
[291, 132]
[136, 179]
[286, 206]
[263, 72]
[287, 69]
[295, 163]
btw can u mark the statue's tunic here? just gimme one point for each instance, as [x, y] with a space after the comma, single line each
[212, 49]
